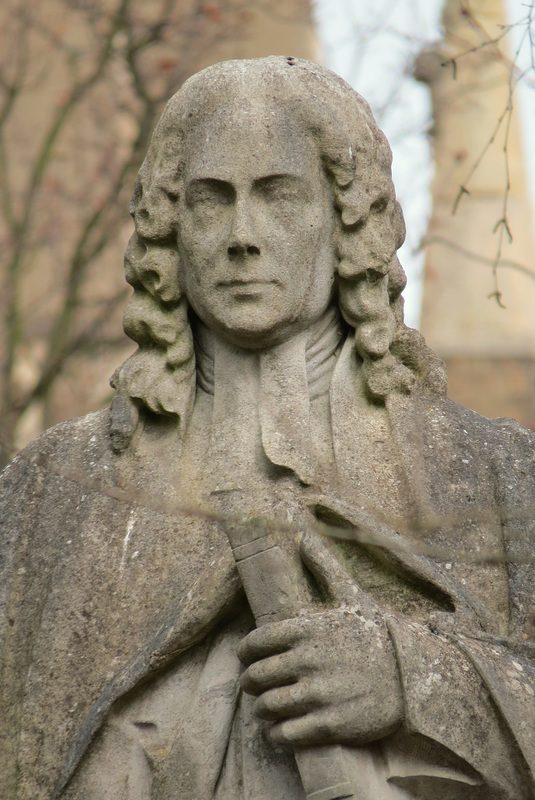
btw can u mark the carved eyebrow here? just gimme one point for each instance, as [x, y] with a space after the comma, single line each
[282, 177]
[279, 186]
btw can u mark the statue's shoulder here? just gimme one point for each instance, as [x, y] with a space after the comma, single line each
[501, 438]
[499, 426]
[41, 489]
[67, 448]
[75, 434]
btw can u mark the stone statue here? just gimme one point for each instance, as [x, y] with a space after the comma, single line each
[283, 564]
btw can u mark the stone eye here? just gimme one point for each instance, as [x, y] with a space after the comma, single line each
[279, 188]
[210, 192]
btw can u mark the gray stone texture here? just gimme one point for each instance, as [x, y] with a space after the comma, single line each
[283, 564]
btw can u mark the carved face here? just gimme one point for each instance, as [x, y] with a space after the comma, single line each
[256, 226]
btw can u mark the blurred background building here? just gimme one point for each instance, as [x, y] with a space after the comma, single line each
[82, 83]
[478, 309]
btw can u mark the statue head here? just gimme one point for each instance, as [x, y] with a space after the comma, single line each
[266, 195]
[257, 218]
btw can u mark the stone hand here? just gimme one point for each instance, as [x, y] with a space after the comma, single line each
[327, 677]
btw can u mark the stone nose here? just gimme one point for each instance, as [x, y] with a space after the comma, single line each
[243, 234]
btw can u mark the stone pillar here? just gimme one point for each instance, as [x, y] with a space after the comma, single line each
[489, 350]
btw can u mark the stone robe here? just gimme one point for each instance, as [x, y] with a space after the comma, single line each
[123, 608]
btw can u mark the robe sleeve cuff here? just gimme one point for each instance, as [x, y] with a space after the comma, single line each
[447, 701]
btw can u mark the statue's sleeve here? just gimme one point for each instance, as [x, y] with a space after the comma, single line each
[474, 693]
[474, 697]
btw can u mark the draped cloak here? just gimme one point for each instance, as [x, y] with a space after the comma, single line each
[120, 598]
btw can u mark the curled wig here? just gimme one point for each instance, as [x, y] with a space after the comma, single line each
[160, 376]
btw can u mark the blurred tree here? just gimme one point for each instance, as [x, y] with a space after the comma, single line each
[82, 83]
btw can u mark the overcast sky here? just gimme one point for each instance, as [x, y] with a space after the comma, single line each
[375, 57]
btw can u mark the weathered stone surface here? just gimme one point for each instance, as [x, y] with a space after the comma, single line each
[176, 626]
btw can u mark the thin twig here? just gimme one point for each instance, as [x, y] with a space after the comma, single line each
[363, 534]
[502, 226]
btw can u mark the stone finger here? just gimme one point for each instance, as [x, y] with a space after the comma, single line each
[286, 701]
[278, 670]
[309, 729]
[270, 639]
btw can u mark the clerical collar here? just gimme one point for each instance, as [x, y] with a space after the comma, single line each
[279, 382]
[323, 341]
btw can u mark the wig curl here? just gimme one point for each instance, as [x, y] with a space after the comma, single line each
[160, 376]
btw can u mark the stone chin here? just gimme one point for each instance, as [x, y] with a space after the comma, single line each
[258, 315]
